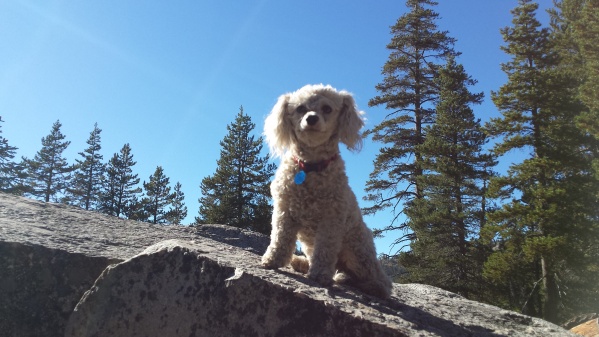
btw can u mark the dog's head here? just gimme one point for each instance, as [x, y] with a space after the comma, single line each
[314, 115]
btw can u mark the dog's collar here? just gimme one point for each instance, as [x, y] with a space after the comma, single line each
[305, 167]
[314, 167]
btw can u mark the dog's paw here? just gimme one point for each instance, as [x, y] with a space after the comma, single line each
[272, 262]
[268, 265]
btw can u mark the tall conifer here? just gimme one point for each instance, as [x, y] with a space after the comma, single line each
[86, 185]
[48, 172]
[575, 26]
[121, 188]
[9, 170]
[545, 230]
[448, 218]
[408, 90]
[585, 33]
[237, 193]
[158, 196]
[178, 210]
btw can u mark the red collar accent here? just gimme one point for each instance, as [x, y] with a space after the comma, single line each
[314, 167]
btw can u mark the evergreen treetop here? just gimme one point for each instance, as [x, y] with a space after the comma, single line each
[178, 210]
[8, 168]
[548, 217]
[417, 48]
[158, 196]
[235, 194]
[86, 185]
[120, 184]
[48, 172]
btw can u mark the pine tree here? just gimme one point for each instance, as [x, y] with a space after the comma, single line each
[48, 172]
[108, 196]
[237, 193]
[575, 25]
[447, 219]
[121, 189]
[158, 196]
[137, 208]
[86, 185]
[545, 230]
[585, 32]
[178, 210]
[262, 214]
[408, 89]
[9, 170]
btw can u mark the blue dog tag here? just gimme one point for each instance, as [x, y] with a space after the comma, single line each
[299, 177]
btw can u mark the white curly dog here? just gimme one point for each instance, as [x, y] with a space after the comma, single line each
[312, 198]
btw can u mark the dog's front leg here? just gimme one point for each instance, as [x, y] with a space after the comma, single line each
[282, 241]
[324, 258]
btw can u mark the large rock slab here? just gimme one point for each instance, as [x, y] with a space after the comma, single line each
[192, 285]
[50, 254]
[40, 286]
[204, 288]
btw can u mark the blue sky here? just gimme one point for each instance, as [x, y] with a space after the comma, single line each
[167, 77]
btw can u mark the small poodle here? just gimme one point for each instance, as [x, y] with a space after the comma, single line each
[312, 198]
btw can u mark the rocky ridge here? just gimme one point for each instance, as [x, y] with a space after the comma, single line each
[64, 271]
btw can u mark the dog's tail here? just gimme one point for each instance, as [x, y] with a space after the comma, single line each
[300, 264]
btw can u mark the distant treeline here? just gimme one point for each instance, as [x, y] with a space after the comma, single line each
[107, 187]
[228, 197]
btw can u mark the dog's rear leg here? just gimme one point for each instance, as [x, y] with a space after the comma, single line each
[364, 271]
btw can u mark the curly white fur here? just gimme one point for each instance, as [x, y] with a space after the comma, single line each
[322, 212]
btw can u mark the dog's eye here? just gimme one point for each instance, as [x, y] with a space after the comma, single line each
[301, 109]
[327, 109]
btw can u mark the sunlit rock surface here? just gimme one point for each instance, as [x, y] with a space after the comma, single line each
[65, 271]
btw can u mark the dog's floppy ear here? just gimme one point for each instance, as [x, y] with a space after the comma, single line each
[277, 127]
[350, 123]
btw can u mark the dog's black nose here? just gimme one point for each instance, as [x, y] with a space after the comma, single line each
[312, 120]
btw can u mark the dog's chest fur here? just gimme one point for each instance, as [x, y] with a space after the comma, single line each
[320, 199]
